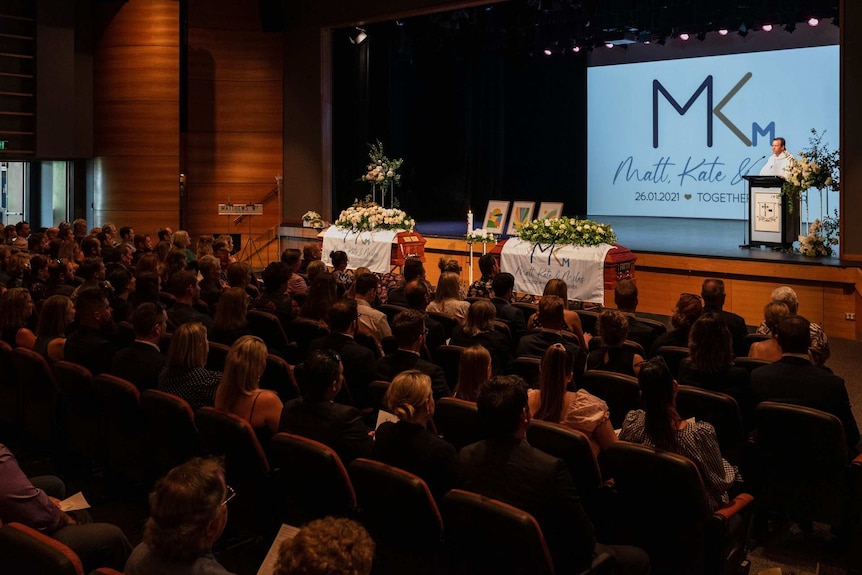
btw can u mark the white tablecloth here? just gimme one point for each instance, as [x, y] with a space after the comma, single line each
[581, 267]
[372, 250]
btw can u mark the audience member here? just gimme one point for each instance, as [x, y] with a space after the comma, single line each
[626, 300]
[572, 321]
[16, 311]
[474, 371]
[613, 355]
[122, 284]
[578, 410]
[184, 287]
[371, 321]
[296, 285]
[714, 296]
[688, 309]
[321, 295]
[819, 342]
[204, 247]
[478, 329]
[550, 316]
[310, 253]
[239, 274]
[769, 350]
[417, 296]
[317, 417]
[328, 546]
[505, 467]
[94, 342]
[239, 392]
[414, 270]
[659, 425]
[794, 379]
[483, 287]
[447, 298]
[185, 374]
[175, 261]
[231, 317]
[23, 501]
[343, 276]
[274, 298]
[58, 313]
[408, 444]
[408, 327]
[503, 288]
[357, 360]
[182, 242]
[188, 513]
[142, 362]
[313, 270]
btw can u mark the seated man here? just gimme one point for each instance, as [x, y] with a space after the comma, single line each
[714, 296]
[329, 546]
[371, 321]
[21, 501]
[626, 300]
[317, 417]
[819, 342]
[90, 345]
[408, 327]
[794, 379]
[505, 467]
[534, 343]
[184, 287]
[414, 269]
[141, 362]
[503, 288]
[188, 513]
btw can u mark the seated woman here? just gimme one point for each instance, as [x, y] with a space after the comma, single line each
[478, 329]
[448, 264]
[710, 364]
[688, 308]
[185, 374]
[613, 328]
[769, 349]
[447, 297]
[231, 317]
[343, 276]
[16, 311]
[474, 371]
[560, 289]
[408, 444]
[576, 409]
[58, 312]
[188, 513]
[322, 293]
[239, 392]
[659, 425]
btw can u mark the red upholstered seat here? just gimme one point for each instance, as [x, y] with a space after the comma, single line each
[25, 550]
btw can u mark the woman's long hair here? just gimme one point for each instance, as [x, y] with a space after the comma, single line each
[554, 374]
[57, 313]
[243, 368]
[232, 310]
[688, 309]
[710, 345]
[473, 372]
[14, 309]
[322, 293]
[448, 287]
[657, 396]
[480, 317]
[613, 328]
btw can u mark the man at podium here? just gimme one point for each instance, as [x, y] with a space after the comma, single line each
[778, 161]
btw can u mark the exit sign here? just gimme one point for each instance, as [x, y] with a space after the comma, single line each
[3, 144]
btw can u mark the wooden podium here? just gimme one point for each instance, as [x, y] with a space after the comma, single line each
[772, 220]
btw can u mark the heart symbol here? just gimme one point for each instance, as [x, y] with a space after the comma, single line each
[687, 196]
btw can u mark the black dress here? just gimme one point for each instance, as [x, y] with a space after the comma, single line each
[415, 449]
[620, 360]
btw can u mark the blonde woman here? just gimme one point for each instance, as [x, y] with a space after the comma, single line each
[408, 444]
[447, 298]
[186, 375]
[474, 371]
[182, 242]
[16, 309]
[240, 393]
[769, 349]
[58, 312]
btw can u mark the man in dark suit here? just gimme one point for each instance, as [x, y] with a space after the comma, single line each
[88, 345]
[505, 467]
[794, 379]
[626, 300]
[417, 296]
[358, 360]
[141, 362]
[503, 286]
[535, 343]
[712, 292]
[184, 287]
[408, 327]
[317, 417]
[414, 269]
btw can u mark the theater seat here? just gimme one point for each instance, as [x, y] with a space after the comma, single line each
[458, 421]
[620, 392]
[172, 436]
[25, 550]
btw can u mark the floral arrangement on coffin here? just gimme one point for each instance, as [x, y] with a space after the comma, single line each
[382, 172]
[821, 237]
[312, 220]
[368, 216]
[567, 231]
[816, 167]
[480, 236]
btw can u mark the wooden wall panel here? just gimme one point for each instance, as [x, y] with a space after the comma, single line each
[234, 157]
[248, 56]
[136, 128]
[215, 110]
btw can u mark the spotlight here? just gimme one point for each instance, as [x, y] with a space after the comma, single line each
[813, 21]
[358, 36]
[684, 36]
[722, 32]
[547, 52]
[576, 48]
[766, 27]
[609, 45]
[399, 23]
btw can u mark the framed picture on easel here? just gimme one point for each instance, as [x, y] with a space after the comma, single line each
[550, 211]
[495, 216]
[522, 212]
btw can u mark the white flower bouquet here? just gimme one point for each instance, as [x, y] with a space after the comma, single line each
[309, 215]
[816, 167]
[368, 216]
[480, 236]
[566, 231]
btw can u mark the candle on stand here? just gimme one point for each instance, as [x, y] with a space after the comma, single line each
[469, 220]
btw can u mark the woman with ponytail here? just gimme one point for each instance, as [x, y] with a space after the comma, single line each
[578, 410]
[408, 444]
[659, 425]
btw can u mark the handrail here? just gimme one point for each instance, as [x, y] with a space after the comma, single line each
[273, 192]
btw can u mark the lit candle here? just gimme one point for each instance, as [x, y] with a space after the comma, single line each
[469, 220]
